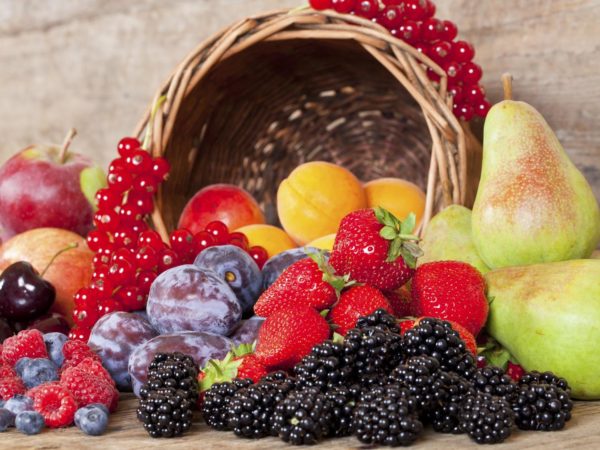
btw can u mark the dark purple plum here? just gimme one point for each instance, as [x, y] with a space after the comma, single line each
[114, 338]
[247, 331]
[188, 298]
[281, 261]
[5, 330]
[237, 269]
[200, 346]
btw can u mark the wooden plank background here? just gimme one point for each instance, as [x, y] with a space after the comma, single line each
[95, 64]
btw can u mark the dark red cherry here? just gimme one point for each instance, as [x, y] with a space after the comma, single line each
[24, 294]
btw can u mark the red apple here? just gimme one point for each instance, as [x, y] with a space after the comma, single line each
[70, 271]
[47, 187]
[230, 204]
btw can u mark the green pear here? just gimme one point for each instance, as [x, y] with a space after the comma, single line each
[532, 205]
[448, 237]
[548, 317]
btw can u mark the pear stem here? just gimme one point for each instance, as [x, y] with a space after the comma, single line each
[62, 156]
[507, 86]
[71, 246]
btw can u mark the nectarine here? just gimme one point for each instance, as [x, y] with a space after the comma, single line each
[398, 196]
[274, 240]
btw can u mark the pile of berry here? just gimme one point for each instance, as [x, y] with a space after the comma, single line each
[130, 255]
[413, 21]
[48, 380]
[384, 387]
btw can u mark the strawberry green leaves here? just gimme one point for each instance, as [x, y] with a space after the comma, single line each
[399, 233]
[338, 283]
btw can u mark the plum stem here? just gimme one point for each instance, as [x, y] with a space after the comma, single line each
[64, 150]
[507, 86]
[71, 246]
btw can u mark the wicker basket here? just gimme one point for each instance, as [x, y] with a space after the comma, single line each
[279, 89]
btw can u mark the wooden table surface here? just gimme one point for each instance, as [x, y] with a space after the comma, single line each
[582, 432]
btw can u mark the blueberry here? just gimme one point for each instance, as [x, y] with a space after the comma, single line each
[21, 363]
[38, 371]
[92, 419]
[7, 419]
[19, 403]
[54, 345]
[29, 422]
[237, 269]
[281, 261]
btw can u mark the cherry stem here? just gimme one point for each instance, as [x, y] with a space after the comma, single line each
[71, 246]
[507, 86]
[62, 156]
[148, 137]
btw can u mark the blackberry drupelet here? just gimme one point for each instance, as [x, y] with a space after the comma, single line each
[386, 416]
[343, 402]
[486, 419]
[436, 338]
[493, 380]
[536, 377]
[279, 375]
[542, 407]
[327, 365]
[379, 319]
[166, 412]
[303, 417]
[373, 353]
[445, 417]
[250, 409]
[216, 402]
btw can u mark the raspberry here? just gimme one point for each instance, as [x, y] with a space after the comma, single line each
[11, 386]
[77, 350]
[28, 343]
[88, 388]
[95, 367]
[56, 404]
[6, 372]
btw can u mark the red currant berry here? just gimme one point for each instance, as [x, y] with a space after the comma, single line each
[474, 94]
[450, 31]
[462, 51]
[100, 290]
[482, 108]
[125, 238]
[100, 272]
[429, 9]
[440, 51]
[416, 9]
[409, 32]
[202, 240]
[107, 199]
[393, 3]
[456, 92]
[142, 201]
[80, 334]
[129, 214]
[463, 111]
[152, 239]
[422, 48]
[116, 164]
[139, 162]
[432, 75]
[167, 258]
[160, 168]
[121, 273]
[470, 73]
[144, 280]
[100, 258]
[128, 145]
[320, 5]
[130, 298]
[84, 296]
[108, 306]
[106, 220]
[259, 255]
[85, 317]
[145, 183]
[146, 258]
[343, 6]
[366, 8]
[120, 180]
[453, 70]
[97, 240]
[181, 241]
[391, 17]
[219, 232]
[431, 30]
[137, 227]
[239, 240]
[123, 254]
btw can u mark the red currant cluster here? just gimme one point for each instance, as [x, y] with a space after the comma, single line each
[128, 254]
[413, 21]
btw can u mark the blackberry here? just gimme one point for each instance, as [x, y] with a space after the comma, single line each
[343, 401]
[536, 377]
[373, 353]
[216, 402]
[542, 407]
[493, 380]
[436, 338]
[444, 418]
[250, 409]
[303, 417]
[279, 375]
[172, 370]
[327, 365]
[380, 319]
[166, 412]
[386, 416]
[486, 419]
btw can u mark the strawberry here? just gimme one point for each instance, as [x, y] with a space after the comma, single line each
[400, 301]
[464, 334]
[306, 282]
[515, 371]
[251, 367]
[375, 248]
[453, 291]
[354, 303]
[288, 335]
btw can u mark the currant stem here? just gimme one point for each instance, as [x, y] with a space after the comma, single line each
[64, 150]
[507, 86]
[71, 246]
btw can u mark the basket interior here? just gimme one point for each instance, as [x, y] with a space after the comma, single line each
[261, 112]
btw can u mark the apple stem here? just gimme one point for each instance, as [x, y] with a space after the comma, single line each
[507, 86]
[71, 246]
[62, 156]
[148, 136]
